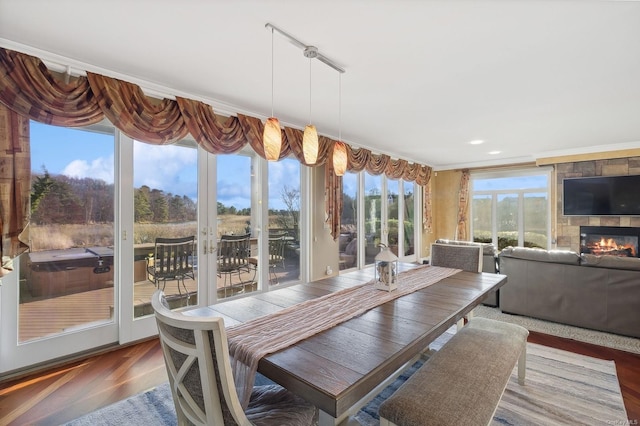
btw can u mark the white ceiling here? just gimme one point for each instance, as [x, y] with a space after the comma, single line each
[423, 78]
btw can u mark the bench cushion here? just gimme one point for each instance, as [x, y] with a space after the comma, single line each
[463, 382]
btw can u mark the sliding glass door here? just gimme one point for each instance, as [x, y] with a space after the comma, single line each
[236, 238]
[165, 193]
[100, 201]
[66, 292]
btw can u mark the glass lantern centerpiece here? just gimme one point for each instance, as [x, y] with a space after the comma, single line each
[386, 270]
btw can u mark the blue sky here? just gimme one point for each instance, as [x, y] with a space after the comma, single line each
[173, 168]
[73, 153]
[522, 182]
[170, 168]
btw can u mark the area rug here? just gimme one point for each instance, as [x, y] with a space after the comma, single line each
[600, 338]
[561, 388]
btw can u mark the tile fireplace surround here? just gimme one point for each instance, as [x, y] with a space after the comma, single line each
[567, 230]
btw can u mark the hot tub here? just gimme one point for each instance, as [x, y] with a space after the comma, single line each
[54, 273]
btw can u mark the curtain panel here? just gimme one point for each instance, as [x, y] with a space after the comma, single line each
[463, 206]
[333, 194]
[15, 185]
[427, 222]
[31, 90]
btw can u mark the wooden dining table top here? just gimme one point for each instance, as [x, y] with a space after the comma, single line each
[336, 368]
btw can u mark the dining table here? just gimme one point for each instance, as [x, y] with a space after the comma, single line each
[342, 367]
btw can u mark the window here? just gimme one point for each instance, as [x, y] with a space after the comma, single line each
[284, 221]
[348, 241]
[408, 220]
[383, 210]
[372, 216]
[511, 208]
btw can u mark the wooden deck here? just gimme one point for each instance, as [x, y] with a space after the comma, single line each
[39, 318]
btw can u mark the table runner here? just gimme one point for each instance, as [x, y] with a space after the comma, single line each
[250, 341]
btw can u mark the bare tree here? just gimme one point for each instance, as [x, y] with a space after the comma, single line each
[289, 218]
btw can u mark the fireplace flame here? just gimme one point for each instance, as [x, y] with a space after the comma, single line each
[610, 246]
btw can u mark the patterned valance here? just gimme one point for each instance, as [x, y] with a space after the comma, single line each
[28, 88]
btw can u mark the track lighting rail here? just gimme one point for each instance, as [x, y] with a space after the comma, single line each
[309, 51]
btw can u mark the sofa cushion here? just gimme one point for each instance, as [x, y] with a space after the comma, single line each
[554, 256]
[611, 262]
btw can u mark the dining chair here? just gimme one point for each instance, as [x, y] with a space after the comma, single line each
[233, 258]
[489, 264]
[196, 356]
[173, 259]
[465, 257]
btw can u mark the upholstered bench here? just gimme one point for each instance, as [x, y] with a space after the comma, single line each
[463, 382]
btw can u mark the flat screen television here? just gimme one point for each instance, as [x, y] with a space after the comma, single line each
[601, 196]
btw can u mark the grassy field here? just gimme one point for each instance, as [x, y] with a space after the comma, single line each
[52, 237]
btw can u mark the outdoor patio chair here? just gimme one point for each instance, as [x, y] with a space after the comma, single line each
[276, 251]
[233, 258]
[173, 259]
[276, 256]
[196, 356]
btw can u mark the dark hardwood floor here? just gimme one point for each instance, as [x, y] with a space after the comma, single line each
[63, 393]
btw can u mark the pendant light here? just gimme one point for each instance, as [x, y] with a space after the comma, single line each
[272, 136]
[310, 145]
[339, 147]
[310, 137]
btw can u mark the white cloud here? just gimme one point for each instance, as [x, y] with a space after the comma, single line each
[99, 168]
[282, 173]
[170, 168]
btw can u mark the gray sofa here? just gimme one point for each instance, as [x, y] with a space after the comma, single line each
[595, 292]
[489, 264]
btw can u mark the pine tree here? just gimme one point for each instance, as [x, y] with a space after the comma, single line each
[142, 205]
[40, 188]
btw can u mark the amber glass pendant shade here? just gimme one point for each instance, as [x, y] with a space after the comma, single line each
[272, 139]
[310, 144]
[339, 158]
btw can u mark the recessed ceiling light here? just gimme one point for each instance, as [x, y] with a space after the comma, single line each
[494, 152]
[476, 142]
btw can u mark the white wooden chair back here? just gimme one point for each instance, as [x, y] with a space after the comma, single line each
[196, 355]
